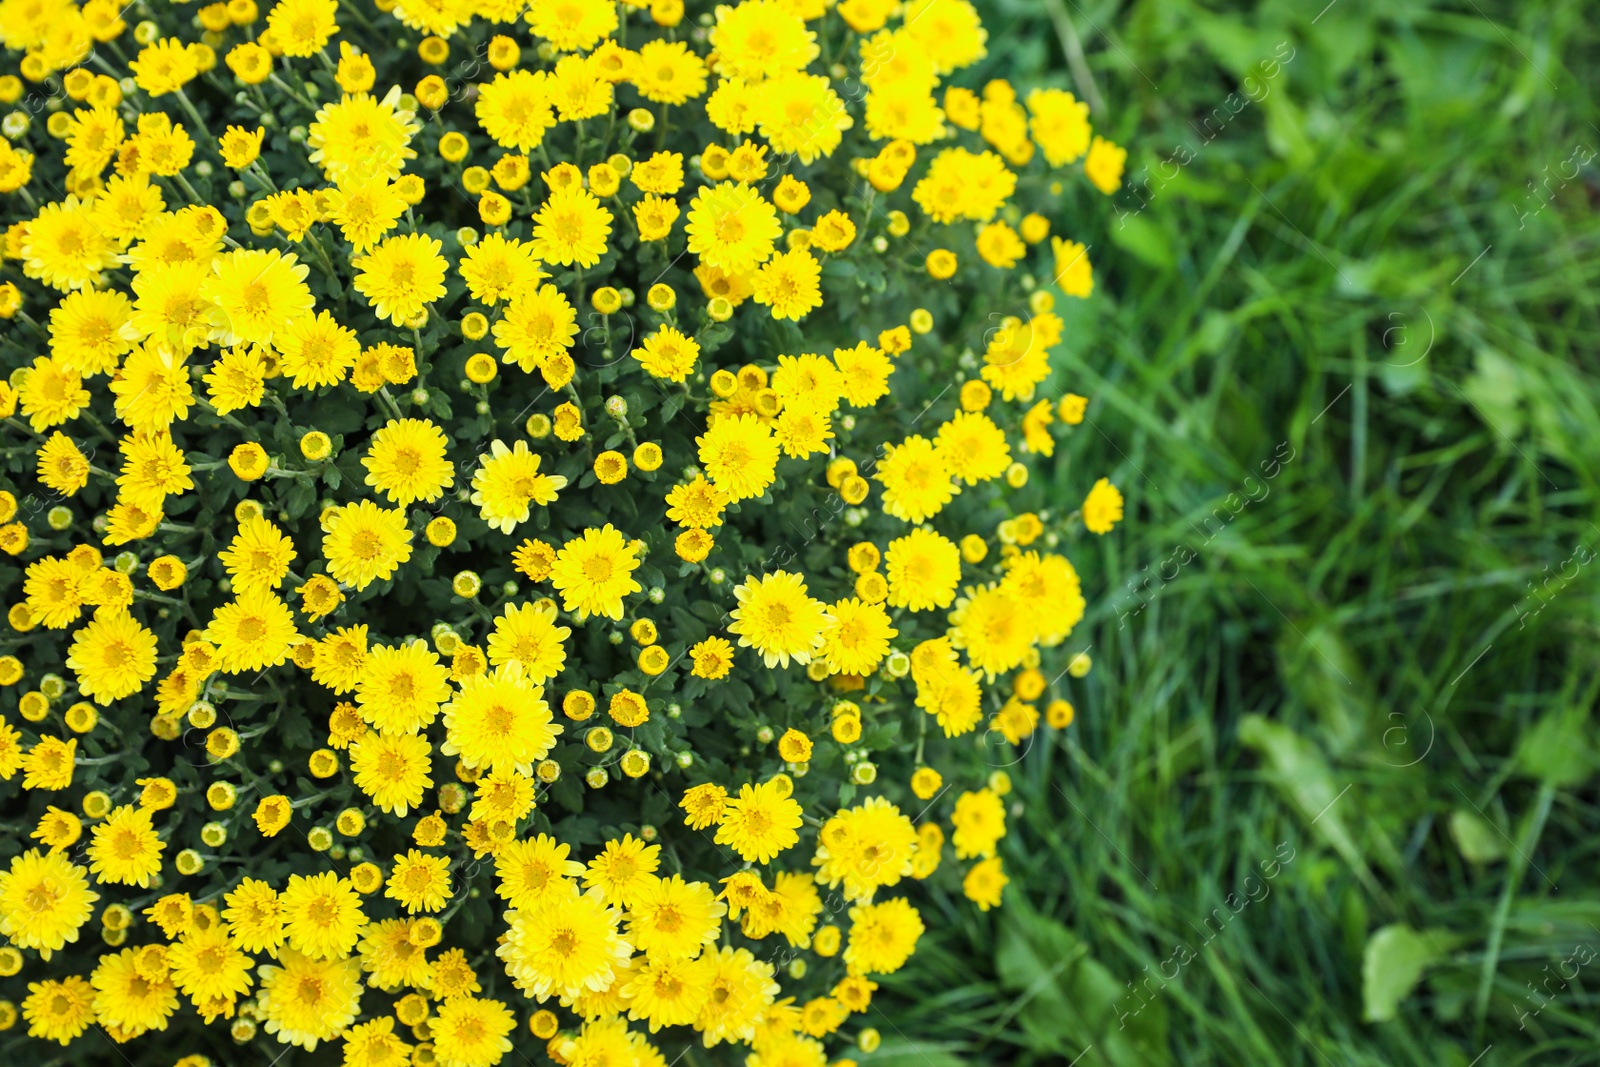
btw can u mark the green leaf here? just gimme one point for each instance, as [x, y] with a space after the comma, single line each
[1478, 841]
[1495, 389]
[1136, 233]
[912, 1054]
[1301, 774]
[1557, 750]
[1068, 1001]
[1394, 962]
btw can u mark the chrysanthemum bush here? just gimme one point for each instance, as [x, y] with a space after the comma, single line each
[517, 519]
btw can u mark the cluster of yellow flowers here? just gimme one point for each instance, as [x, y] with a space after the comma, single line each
[470, 548]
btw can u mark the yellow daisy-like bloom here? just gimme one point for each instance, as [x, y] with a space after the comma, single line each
[565, 945]
[401, 688]
[504, 796]
[704, 805]
[375, 1044]
[1060, 125]
[401, 275]
[44, 901]
[365, 543]
[800, 114]
[974, 447]
[672, 919]
[207, 965]
[153, 468]
[302, 27]
[964, 185]
[856, 636]
[761, 822]
[254, 920]
[64, 248]
[697, 505]
[622, 870]
[712, 658]
[732, 227]
[949, 30]
[759, 39]
[472, 1032]
[882, 936]
[406, 462]
[440, 17]
[514, 109]
[499, 722]
[508, 483]
[572, 25]
[322, 915]
[128, 998]
[50, 394]
[392, 769]
[498, 268]
[1102, 508]
[742, 990]
[533, 868]
[571, 228]
[667, 72]
[989, 626]
[594, 571]
[669, 991]
[254, 295]
[237, 380]
[258, 557]
[164, 66]
[1048, 589]
[778, 619]
[578, 90]
[789, 283]
[112, 657]
[389, 956]
[59, 1009]
[362, 136]
[865, 847]
[1073, 271]
[251, 632]
[306, 1000]
[54, 591]
[240, 147]
[1000, 246]
[923, 569]
[984, 883]
[802, 430]
[126, 205]
[364, 210]
[420, 882]
[917, 481]
[171, 305]
[125, 849]
[316, 351]
[153, 389]
[1018, 355]
[539, 325]
[741, 456]
[979, 820]
[863, 374]
[668, 354]
[48, 764]
[528, 636]
[90, 330]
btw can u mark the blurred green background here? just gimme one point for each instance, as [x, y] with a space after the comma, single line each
[1331, 794]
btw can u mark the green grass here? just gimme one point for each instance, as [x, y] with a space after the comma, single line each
[1347, 271]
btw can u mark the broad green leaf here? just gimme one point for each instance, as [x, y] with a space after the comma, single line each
[1557, 750]
[1478, 841]
[1394, 962]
